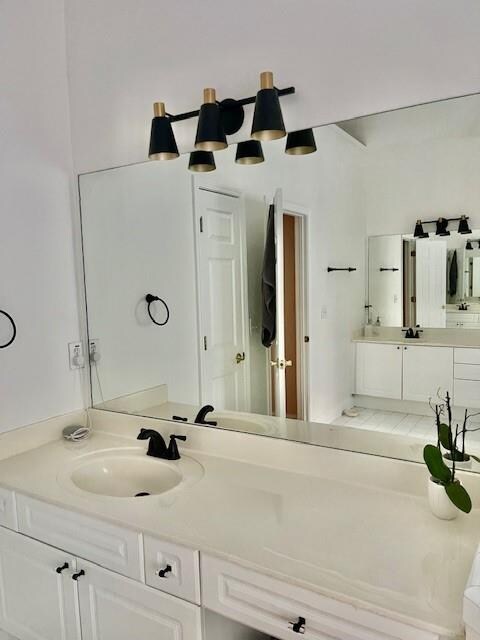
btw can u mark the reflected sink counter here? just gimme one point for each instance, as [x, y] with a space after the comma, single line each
[347, 525]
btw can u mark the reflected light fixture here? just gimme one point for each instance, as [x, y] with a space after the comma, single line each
[442, 224]
[300, 143]
[201, 161]
[162, 141]
[463, 227]
[419, 232]
[267, 117]
[249, 152]
[469, 246]
[210, 133]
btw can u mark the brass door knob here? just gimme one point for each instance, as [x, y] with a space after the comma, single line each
[281, 364]
[240, 357]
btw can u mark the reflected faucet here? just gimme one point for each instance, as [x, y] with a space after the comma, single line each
[202, 414]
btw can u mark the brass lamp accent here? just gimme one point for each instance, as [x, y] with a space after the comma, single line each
[267, 117]
[163, 145]
[210, 133]
[201, 161]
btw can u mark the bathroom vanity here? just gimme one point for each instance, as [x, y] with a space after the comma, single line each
[266, 544]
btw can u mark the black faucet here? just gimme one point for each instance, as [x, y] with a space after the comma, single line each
[202, 414]
[157, 447]
[409, 333]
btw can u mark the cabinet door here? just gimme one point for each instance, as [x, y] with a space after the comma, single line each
[36, 602]
[113, 607]
[379, 370]
[426, 370]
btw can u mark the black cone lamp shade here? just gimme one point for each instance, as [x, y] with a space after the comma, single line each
[463, 227]
[419, 232]
[469, 246]
[162, 141]
[442, 224]
[249, 152]
[201, 161]
[267, 117]
[300, 143]
[210, 133]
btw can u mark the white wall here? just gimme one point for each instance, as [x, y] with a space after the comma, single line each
[138, 230]
[346, 59]
[37, 281]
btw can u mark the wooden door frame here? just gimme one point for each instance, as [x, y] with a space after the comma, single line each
[197, 185]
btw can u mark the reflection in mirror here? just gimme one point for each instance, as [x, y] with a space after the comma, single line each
[259, 327]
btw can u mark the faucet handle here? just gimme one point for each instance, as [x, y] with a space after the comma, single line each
[173, 453]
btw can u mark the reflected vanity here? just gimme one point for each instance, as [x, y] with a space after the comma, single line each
[213, 247]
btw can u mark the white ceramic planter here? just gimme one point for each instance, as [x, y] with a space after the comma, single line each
[458, 465]
[440, 504]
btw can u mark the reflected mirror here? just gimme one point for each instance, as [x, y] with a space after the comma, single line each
[276, 292]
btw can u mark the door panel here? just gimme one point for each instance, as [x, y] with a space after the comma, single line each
[379, 370]
[222, 299]
[278, 349]
[431, 266]
[36, 602]
[116, 608]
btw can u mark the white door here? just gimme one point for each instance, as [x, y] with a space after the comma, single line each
[425, 371]
[36, 602]
[379, 370]
[431, 269]
[277, 350]
[113, 607]
[222, 299]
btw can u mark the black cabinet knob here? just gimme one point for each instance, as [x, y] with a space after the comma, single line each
[76, 576]
[298, 626]
[163, 572]
[62, 568]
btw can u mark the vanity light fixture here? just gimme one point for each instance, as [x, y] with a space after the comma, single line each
[267, 117]
[300, 143]
[463, 227]
[201, 161]
[249, 152]
[210, 133]
[419, 232]
[162, 141]
[469, 246]
[441, 230]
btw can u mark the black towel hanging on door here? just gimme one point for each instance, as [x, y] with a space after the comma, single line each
[269, 284]
[453, 275]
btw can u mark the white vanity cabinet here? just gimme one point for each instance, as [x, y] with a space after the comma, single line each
[36, 601]
[425, 371]
[379, 370]
[49, 594]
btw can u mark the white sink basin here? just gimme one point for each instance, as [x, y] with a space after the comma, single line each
[240, 422]
[130, 473]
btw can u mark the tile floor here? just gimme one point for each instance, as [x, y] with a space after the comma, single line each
[398, 423]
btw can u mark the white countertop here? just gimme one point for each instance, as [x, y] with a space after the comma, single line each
[348, 525]
[418, 342]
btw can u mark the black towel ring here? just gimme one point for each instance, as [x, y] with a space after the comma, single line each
[149, 298]
[14, 329]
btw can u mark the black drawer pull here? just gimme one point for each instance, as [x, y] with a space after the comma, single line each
[163, 572]
[298, 626]
[76, 576]
[64, 566]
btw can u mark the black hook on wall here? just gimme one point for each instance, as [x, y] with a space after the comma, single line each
[150, 299]
[14, 330]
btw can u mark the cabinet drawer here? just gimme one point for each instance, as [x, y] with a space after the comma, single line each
[108, 545]
[467, 393]
[467, 356]
[467, 371]
[8, 512]
[183, 577]
[269, 605]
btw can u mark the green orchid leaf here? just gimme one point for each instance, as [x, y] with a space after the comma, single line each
[474, 457]
[459, 496]
[445, 436]
[437, 467]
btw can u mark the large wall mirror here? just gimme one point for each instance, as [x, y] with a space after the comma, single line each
[267, 276]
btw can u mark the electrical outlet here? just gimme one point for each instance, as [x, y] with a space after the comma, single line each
[75, 353]
[94, 350]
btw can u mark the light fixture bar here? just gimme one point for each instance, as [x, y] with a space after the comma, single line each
[443, 218]
[242, 102]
